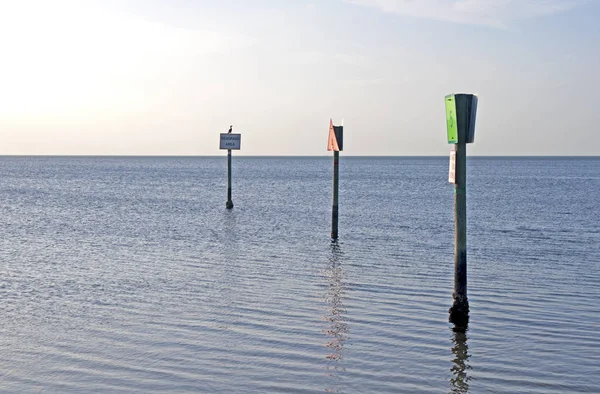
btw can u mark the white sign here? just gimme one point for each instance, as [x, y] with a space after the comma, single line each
[452, 170]
[231, 141]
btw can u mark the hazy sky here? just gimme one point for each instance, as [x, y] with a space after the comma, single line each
[166, 77]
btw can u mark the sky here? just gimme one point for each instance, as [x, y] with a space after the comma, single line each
[165, 77]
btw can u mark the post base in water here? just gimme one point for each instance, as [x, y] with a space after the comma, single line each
[229, 205]
[459, 312]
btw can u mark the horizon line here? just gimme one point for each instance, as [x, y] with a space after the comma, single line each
[283, 156]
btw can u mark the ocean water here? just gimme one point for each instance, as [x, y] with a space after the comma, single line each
[129, 275]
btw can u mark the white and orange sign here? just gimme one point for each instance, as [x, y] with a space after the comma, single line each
[335, 141]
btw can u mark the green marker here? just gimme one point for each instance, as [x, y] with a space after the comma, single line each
[451, 123]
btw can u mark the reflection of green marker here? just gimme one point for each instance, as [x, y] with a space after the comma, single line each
[451, 123]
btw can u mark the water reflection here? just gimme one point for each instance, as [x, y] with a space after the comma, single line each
[459, 382]
[337, 329]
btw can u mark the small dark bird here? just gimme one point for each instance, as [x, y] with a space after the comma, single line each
[230, 128]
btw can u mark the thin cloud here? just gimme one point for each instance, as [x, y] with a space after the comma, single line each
[495, 13]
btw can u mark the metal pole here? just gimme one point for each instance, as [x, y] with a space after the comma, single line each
[229, 203]
[459, 312]
[461, 302]
[336, 182]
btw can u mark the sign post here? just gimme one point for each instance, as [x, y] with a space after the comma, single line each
[460, 121]
[230, 142]
[335, 143]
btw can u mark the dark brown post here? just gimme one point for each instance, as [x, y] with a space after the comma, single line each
[229, 203]
[335, 143]
[460, 117]
[336, 186]
[229, 141]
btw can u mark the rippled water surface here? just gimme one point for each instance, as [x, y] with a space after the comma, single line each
[129, 275]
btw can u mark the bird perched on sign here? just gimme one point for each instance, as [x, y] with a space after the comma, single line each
[230, 128]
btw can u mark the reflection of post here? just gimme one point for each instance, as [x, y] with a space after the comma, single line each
[460, 381]
[337, 328]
